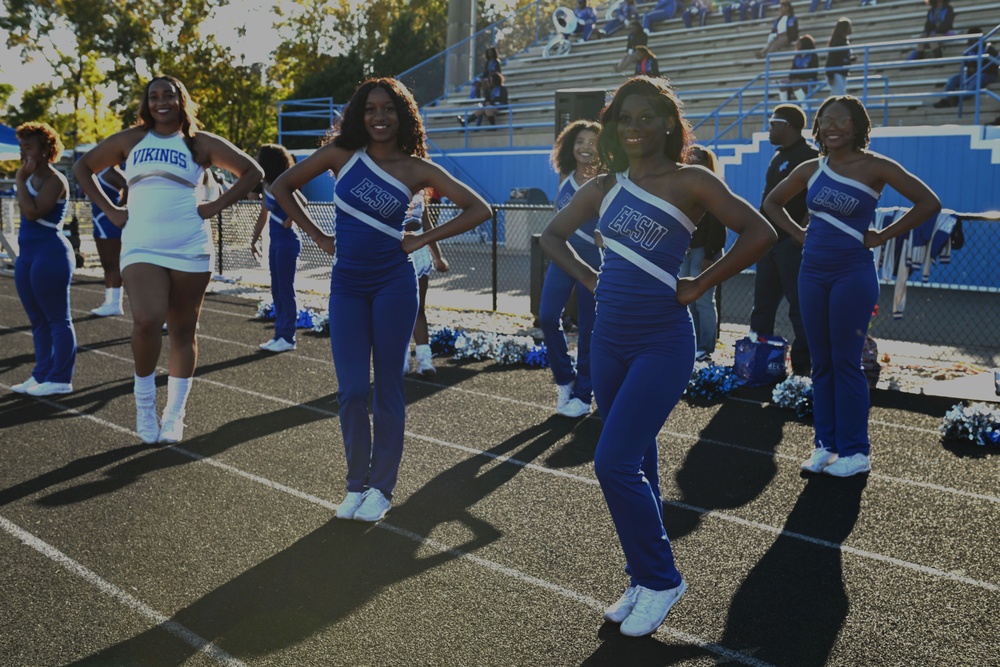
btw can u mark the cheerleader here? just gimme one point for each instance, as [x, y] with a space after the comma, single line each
[44, 269]
[283, 249]
[574, 157]
[424, 260]
[166, 257]
[377, 152]
[838, 284]
[108, 239]
[644, 344]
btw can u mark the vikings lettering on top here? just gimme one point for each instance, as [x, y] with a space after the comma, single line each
[380, 199]
[164, 155]
[640, 228]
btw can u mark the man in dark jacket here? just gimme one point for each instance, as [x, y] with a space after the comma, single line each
[778, 270]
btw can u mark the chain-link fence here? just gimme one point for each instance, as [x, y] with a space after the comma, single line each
[498, 267]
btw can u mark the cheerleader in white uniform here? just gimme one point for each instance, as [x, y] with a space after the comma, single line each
[644, 343]
[166, 257]
[838, 284]
[379, 156]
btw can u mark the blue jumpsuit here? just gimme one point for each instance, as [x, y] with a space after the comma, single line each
[42, 275]
[556, 291]
[282, 256]
[838, 289]
[104, 228]
[643, 355]
[373, 307]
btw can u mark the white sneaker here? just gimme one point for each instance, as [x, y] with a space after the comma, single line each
[847, 466]
[107, 310]
[277, 345]
[147, 424]
[172, 429]
[425, 366]
[349, 505]
[25, 386]
[620, 610]
[575, 408]
[821, 458]
[650, 609]
[563, 393]
[50, 388]
[373, 507]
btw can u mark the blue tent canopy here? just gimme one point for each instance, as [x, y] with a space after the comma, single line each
[9, 148]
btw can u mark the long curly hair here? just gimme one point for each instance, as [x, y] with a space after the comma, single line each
[350, 132]
[562, 158]
[859, 119]
[52, 145]
[189, 110]
[666, 105]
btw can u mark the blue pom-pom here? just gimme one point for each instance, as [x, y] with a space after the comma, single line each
[795, 393]
[443, 340]
[712, 382]
[537, 356]
[265, 311]
[979, 423]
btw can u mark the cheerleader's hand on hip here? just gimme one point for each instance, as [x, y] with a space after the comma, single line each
[327, 244]
[411, 243]
[209, 210]
[118, 216]
[688, 291]
[873, 238]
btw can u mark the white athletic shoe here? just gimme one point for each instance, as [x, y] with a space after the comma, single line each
[425, 366]
[650, 610]
[846, 466]
[620, 610]
[819, 460]
[277, 345]
[575, 408]
[373, 507]
[50, 389]
[563, 393]
[348, 507]
[147, 424]
[23, 387]
[107, 310]
[172, 429]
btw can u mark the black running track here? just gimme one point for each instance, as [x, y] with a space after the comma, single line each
[224, 549]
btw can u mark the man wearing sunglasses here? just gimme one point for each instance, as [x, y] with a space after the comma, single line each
[778, 271]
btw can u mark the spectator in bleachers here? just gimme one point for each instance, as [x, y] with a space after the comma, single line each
[637, 37]
[800, 81]
[663, 10]
[939, 23]
[492, 65]
[647, 64]
[623, 12]
[827, 5]
[746, 9]
[837, 61]
[969, 78]
[698, 9]
[586, 19]
[496, 98]
[784, 32]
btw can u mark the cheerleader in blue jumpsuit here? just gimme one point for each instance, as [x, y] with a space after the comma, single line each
[838, 285]
[108, 240]
[378, 154]
[44, 269]
[644, 342]
[574, 156]
[283, 252]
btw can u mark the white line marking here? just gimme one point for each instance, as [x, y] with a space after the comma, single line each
[173, 627]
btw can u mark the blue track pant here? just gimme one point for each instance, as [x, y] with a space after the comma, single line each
[637, 383]
[42, 275]
[555, 293]
[371, 318]
[836, 305]
[282, 257]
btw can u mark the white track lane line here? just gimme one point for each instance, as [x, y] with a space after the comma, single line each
[190, 638]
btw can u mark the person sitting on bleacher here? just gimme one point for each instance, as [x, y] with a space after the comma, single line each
[664, 10]
[647, 64]
[784, 32]
[586, 19]
[799, 82]
[636, 37]
[699, 9]
[939, 23]
[746, 9]
[496, 99]
[624, 11]
[969, 78]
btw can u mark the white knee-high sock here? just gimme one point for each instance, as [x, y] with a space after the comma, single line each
[177, 394]
[113, 295]
[145, 390]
